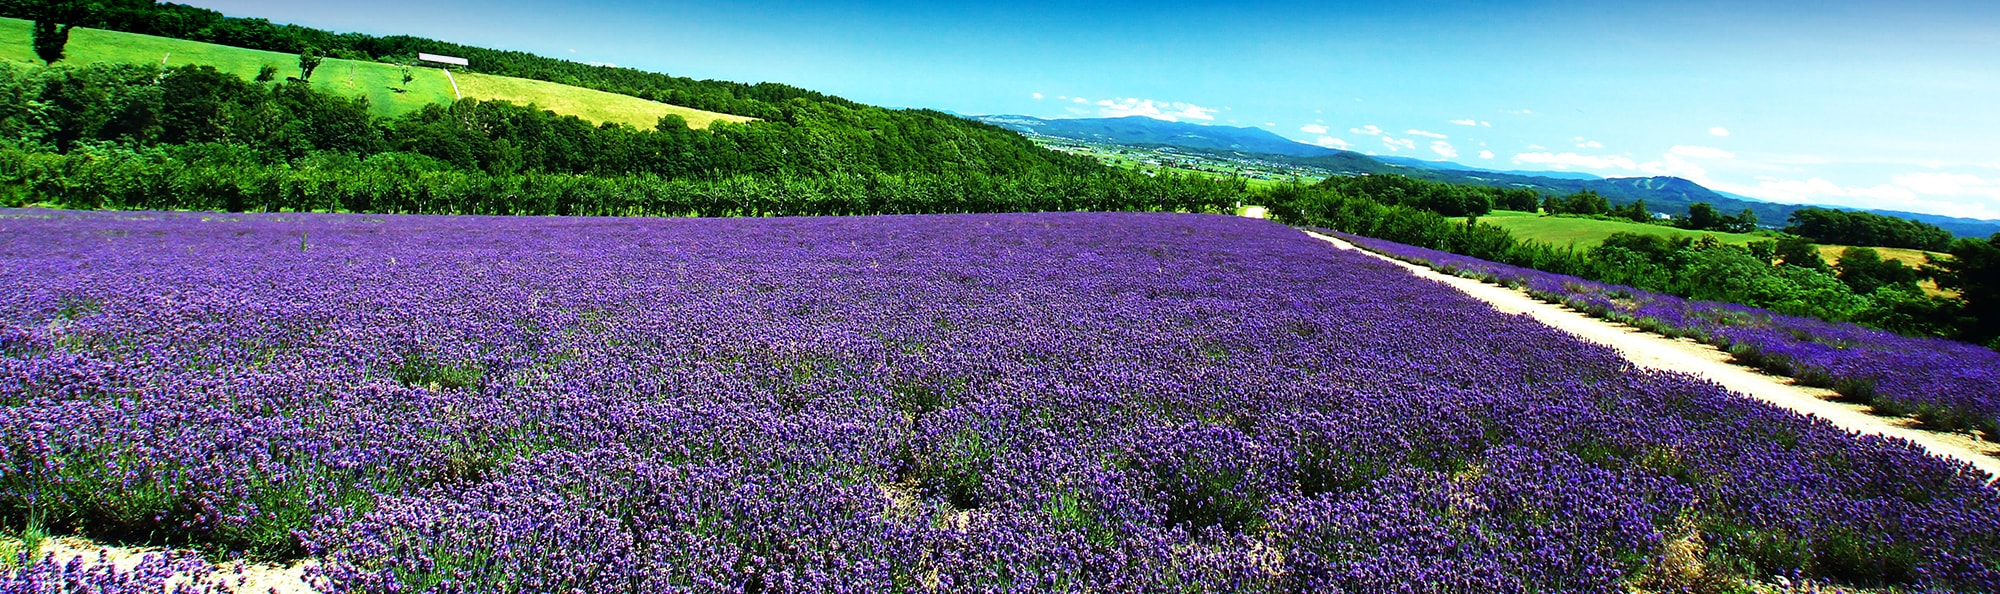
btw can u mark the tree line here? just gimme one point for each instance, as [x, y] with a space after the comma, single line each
[224, 178]
[192, 138]
[1786, 275]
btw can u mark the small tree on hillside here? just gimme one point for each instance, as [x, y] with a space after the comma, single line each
[309, 60]
[53, 21]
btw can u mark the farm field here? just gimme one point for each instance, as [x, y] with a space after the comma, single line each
[964, 403]
[1589, 233]
[373, 80]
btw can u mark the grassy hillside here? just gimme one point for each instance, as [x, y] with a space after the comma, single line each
[1588, 233]
[376, 81]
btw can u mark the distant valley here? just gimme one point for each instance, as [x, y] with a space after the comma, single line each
[1214, 149]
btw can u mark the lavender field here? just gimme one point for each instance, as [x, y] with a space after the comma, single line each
[980, 403]
[1946, 385]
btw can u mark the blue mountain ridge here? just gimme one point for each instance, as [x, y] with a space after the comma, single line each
[1662, 194]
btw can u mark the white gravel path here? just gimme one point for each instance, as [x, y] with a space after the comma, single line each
[1653, 351]
[238, 576]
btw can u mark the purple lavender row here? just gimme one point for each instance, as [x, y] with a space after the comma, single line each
[982, 403]
[1946, 384]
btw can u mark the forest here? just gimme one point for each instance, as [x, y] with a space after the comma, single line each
[189, 137]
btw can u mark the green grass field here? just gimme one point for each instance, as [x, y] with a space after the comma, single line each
[1588, 233]
[376, 81]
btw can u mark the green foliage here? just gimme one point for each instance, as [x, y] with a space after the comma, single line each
[1865, 270]
[1635, 212]
[1866, 229]
[1792, 250]
[1974, 271]
[1452, 200]
[1583, 202]
[1703, 217]
[309, 59]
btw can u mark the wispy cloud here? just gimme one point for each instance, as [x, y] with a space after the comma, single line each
[1472, 122]
[1331, 142]
[1444, 149]
[1700, 152]
[1080, 100]
[1368, 130]
[1949, 194]
[1588, 144]
[1037, 96]
[1485, 154]
[1718, 131]
[1577, 161]
[1172, 111]
[1397, 144]
[1424, 133]
[1313, 129]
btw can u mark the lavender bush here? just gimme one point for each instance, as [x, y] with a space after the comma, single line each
[995, 403]
[1948, 385]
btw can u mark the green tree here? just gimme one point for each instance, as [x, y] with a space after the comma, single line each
[1974, 270]
[1865, 271]
[1793, 250]
[309, 59]
[1701, 217]
[53, 21]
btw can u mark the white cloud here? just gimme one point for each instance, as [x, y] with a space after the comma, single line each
[1485, 154]
[1172, 111]
[1950, 184]
[1331, 142]
[1466, 122]
[1588, 144]
[1942, 192]
[1080, 100]
[1397, 144]
[602, 64]
[1907, 193]
[1270, 124]
[1425, 134]
[1718, 131]
[1573, 160]
[1444, 149]
[1313, 129]
[1037, 96]
[1536, 147]
[1368, 130]
[1520, 111]
[1700, 152]
[1485, 124]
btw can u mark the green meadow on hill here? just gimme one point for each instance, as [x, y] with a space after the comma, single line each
[1588, 233]
[382, 84]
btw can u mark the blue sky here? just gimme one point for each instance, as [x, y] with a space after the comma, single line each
[1868, 104]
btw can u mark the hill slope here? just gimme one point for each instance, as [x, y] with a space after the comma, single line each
[376, 81]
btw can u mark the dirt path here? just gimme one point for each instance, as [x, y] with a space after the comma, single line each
[1653, 351]
[246, 578]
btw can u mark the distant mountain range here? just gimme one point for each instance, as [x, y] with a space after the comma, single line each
[1662, 194]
